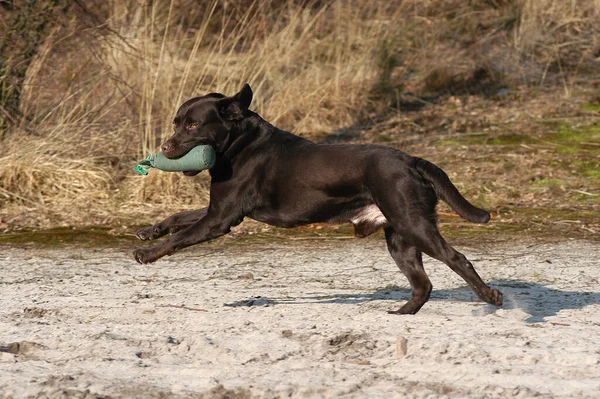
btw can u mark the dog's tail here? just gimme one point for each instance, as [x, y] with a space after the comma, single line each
[449, 193]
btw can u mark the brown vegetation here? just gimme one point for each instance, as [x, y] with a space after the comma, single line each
[103, 80]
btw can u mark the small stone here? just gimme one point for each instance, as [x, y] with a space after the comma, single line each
[401, 347]
[246, 276]
[34, 312]
[502, 92]
[13, 348]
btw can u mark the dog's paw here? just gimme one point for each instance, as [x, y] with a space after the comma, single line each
[408, 308]
[495, 297]
[150, 233]
[143, 256]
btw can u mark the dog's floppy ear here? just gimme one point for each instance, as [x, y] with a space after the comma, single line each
[234, 108]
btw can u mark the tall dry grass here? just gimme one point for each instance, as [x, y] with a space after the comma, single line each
[100, 97]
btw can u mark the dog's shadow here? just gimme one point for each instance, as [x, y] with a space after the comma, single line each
[537, 300]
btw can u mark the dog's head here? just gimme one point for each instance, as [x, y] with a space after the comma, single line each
[207, 120]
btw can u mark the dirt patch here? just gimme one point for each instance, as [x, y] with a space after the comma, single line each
[311, 322]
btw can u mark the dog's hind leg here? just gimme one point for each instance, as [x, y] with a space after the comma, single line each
[409, 260]
[410, 213]
[433, 244]
[170, 225]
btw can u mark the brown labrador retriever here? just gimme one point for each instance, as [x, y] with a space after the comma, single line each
[278, 178]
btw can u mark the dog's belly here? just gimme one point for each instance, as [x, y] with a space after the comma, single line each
[368, 220]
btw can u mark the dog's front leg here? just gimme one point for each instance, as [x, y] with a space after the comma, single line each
[208, 228]
[170, 225]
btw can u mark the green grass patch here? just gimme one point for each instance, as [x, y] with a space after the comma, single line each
[587, 167]
[549, 182]
[487, 139]
[574, 139]
[593, 107]
[569, 139]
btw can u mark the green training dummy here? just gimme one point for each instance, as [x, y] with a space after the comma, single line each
[198, 158]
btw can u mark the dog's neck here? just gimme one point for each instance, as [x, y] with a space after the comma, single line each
[250, 131]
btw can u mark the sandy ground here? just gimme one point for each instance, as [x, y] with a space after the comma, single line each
[299, 318]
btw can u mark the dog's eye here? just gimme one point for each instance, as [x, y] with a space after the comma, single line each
[193, 125]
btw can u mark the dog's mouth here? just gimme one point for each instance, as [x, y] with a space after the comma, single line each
[172, 151]
[191, 172]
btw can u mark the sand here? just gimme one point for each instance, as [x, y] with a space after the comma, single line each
[297, 318]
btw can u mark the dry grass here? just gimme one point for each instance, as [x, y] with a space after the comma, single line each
[98, 99]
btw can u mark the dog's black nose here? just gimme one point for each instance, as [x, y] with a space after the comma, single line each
[167, 147]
